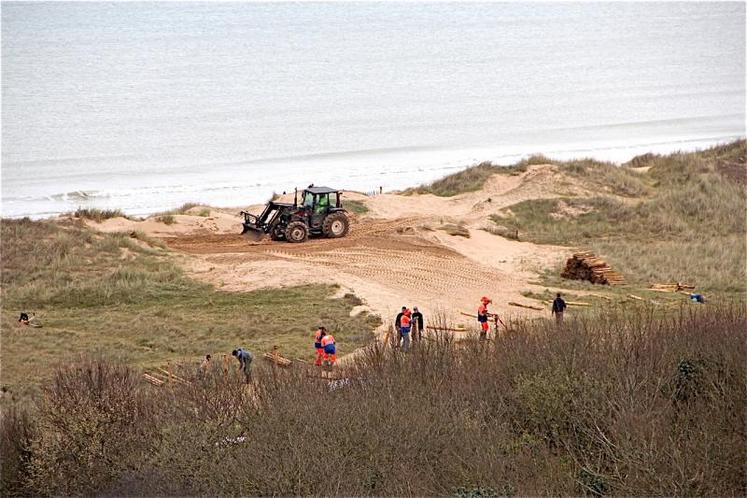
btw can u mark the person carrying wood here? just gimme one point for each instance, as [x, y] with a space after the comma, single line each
[318, 335]
[330, 350]
[558, 307]
[245, 362]
[482, 317]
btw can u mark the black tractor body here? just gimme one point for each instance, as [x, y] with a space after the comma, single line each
[320, 212]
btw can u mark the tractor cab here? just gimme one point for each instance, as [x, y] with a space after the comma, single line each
[319, 202]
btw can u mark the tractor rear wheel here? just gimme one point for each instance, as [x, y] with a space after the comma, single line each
[336, 225]
[296, 231]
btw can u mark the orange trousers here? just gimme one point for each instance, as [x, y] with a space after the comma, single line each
[330, 358]
[319, 357]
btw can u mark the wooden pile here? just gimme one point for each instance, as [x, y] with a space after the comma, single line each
[163, 376]
[587, 266]
[675, 287]
[276, 358]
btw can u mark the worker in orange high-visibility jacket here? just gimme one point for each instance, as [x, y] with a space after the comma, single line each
[482, 317]
[318, 335]
[404, 328]
[330, 351]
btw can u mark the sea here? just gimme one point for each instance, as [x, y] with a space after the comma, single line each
[143, 106]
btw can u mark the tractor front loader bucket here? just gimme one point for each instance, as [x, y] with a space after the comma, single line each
[251, 227]
[253, 233]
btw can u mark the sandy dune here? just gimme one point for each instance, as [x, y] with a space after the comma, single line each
[394, 255]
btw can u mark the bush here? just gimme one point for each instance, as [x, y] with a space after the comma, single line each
[17, 433]
[166, 219]
[98, 215]
[625, 403]
[96, 424]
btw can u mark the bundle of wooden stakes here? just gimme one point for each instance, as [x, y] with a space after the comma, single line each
[277, 358]
[587, 266]
[675, 287]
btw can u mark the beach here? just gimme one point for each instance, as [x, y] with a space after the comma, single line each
[224, 104]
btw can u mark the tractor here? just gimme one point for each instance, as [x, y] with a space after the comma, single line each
[319, 213]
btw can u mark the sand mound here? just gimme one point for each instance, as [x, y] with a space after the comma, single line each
[176, 226]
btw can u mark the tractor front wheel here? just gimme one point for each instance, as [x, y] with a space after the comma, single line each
[296, 232]
[336, 225]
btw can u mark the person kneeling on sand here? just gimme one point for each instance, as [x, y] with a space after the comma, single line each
[245, 362]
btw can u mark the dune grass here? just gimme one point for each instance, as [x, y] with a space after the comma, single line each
[623, 403]
[98, 215]
[468, 180]
[179, 210]
[115, 295]
[690, 227]
[357, 207]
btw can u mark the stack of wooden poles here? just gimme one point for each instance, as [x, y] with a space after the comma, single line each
[587, 266]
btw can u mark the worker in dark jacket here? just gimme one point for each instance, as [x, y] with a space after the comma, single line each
[245, 362]
[417, 324]
[397, 327]
[558, 307]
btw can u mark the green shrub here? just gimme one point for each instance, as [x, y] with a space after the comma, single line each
[98, 215]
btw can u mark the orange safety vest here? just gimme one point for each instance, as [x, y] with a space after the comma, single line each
[318, 339]
[405, 321]
[482, 313]
[328, 343]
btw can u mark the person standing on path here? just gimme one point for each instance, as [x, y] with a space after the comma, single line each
[318, 335]
[482, 317]
[417, 324]
[405, 330]
[558, 307]
[245, 362]
[330, 350]
[397, 323]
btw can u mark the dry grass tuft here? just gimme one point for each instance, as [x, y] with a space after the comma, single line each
[98, 215]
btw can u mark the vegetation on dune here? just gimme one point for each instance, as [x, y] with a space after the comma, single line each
[113, 294]
[606, 177]
[183, 209]
[468, 180]
[166, 219]
[357, 207]
[98, 215]
[626, 403]
[690, 227]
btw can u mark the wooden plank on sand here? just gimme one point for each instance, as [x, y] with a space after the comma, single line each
[511, 303]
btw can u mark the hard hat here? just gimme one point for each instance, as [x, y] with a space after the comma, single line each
[485, 299]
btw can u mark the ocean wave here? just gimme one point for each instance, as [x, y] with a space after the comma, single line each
[78, 195]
